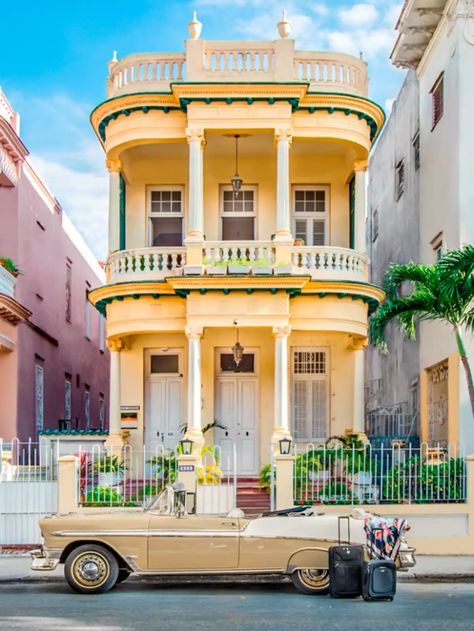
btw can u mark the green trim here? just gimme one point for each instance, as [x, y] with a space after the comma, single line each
[352, 212]
[371, 122]
[271, 100]
[127, 111]
[122, 213]
[73, 432]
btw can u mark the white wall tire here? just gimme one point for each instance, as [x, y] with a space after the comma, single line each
[313, 582]
[91, 569]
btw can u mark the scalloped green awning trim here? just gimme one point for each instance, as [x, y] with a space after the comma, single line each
[371, 122]
[127, 111]
[73, 432]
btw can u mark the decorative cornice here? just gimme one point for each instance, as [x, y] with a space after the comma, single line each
[284, 134]
[113, 166]
[355, 342]
[194, 134]
[12, 311]
[115, 344]
[199, 283]
[281, 332]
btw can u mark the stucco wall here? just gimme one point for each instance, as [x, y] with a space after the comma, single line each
[390, 378]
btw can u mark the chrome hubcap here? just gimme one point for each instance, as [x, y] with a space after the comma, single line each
[315, 578]
[91, 570]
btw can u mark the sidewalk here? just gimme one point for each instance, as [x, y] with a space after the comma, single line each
[16, 567]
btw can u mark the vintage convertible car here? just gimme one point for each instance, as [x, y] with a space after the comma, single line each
[100, 550]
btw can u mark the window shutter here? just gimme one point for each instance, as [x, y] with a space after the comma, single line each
[319, 237]
[300, 410]
[319, 409]
[301, 230]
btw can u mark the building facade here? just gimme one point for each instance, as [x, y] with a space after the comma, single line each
[393, 236]
[437, 42]
[54, 362]
[237, 280]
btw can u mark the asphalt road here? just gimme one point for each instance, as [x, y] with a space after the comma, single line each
[147, 606]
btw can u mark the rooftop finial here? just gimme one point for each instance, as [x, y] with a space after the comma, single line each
[283, 26]
[114, 56]
[194, 27]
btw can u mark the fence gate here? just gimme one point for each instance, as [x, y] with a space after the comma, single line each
[28, 490]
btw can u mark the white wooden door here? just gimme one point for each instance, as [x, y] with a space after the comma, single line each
[164, 400]
[236, 408]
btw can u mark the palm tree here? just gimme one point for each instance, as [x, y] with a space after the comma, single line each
[443, 291]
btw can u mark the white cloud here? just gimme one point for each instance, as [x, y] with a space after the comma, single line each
[370, 43]
[360, 15]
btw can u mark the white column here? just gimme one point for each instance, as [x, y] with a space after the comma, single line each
[281, 399]
[360, 206]
[196, 184]
[115, 347]
[356, 346]
[283, 140]
[114, 167]
[194, 384]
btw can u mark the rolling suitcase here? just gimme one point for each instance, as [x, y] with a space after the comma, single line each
[345, 571]
[380, 580]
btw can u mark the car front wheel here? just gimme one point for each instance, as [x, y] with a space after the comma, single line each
[91, 569]
[313, 582]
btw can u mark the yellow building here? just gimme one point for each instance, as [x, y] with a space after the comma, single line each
[276, 260]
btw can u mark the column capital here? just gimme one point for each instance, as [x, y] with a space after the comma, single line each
[194, 134]
[360, 165]
[355, 342]
[115, 345]
[284, 134]
[193, 332]
[113, 166]
[281, 331]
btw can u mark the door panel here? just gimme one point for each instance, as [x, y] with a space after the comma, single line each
[247, 428]
[192, 543]
[226, 410]
[165, 412]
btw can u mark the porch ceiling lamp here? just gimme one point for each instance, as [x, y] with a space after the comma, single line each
[186, 446]
[237, 349]
[236, 181]
[285, 446]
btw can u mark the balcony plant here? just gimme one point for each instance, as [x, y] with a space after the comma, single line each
[10, 266]
[239, 266]
[215, 268]
[261, 267]
[299, 242]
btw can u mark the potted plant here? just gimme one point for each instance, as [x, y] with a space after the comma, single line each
[110, 469]
[283, 269]
[298, 242]
[261, 267]
[238, 266]
[215, 268]
[10, 266]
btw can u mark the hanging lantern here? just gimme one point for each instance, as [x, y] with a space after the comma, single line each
[236, 181]
[237, 349]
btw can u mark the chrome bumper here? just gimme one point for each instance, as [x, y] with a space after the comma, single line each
[406, 557]
[44, 560]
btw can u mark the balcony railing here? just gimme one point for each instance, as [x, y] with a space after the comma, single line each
[7, 282]
[253, 61]
[239, 257]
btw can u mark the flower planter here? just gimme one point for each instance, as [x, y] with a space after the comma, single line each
[262, 270]
[283, 270]
[193, 270]
[239, 269]
[216, 270]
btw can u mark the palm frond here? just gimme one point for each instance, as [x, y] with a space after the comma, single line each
[457, 274]
[397, 274]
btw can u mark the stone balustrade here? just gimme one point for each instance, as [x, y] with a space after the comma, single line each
[253, 61]
[319, 262]
[7, 283]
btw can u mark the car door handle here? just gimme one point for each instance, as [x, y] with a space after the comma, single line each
[232, 524]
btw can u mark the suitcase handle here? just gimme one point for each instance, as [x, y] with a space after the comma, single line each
[348, 519]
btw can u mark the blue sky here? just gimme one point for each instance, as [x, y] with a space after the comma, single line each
[53, 65]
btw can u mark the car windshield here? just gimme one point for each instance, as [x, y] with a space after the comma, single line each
[163, 503]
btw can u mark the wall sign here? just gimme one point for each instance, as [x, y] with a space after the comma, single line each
[186, 467]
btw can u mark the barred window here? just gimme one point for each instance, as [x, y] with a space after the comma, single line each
[437, 100]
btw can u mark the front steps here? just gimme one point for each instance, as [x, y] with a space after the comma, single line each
[250, 497]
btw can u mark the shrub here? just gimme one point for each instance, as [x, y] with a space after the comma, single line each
[103, 496]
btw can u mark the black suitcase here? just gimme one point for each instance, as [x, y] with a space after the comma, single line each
[380, 580]
[346, 564]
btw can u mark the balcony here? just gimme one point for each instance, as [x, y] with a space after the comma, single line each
[226, 61]
[7, 283]
[226, 258]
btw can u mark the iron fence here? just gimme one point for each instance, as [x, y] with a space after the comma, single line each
[368, 475]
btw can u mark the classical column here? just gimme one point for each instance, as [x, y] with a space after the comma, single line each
[281, 418]
[356, 345]
[194, 431]
[360, 168]
[114, 167]
[196, 183]
[115, 348]
[283, 228]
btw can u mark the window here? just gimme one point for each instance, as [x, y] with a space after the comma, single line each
[87, 316]
[102, 334]
[437, 100]
[39, 396]
[399, 179]
[437, 245]
[238, 213]
[416, 151]
[87, 405]
[68, 291]
[310, 214]
[165, 216]
[101, 410]
[310, 394]
[375, 225]
[67, 398]
[165, 364]
[247, 364]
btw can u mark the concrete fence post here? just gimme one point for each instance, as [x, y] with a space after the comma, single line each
[68, 484]
[284, 481]
[470, 493]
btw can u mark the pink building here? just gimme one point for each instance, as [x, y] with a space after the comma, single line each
[55, 360]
